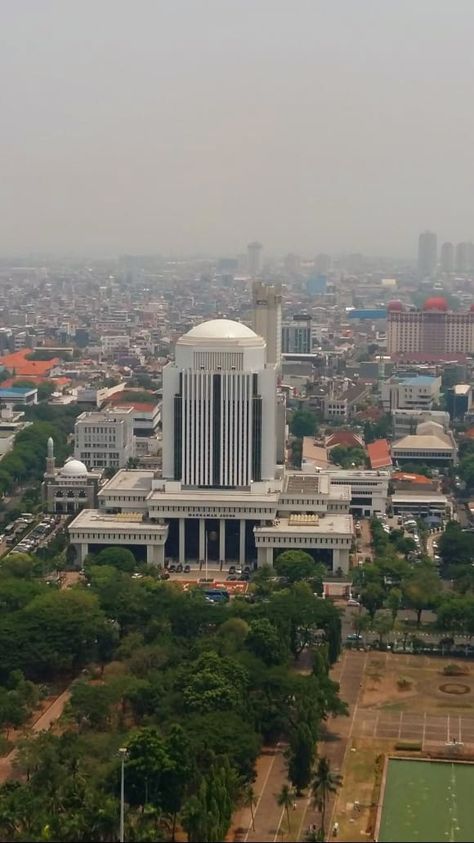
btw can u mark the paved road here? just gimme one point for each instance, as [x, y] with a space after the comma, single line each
[270, 824]
[43, 723]
[338, 732]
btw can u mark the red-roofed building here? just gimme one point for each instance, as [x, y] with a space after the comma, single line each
[344, 437]
[18, 364]
[379, 454]
[146, 417]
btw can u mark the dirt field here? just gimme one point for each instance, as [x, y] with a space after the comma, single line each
[406, 705]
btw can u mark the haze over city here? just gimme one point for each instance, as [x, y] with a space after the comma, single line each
[181, 127]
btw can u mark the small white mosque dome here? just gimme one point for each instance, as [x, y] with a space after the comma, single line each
[73, 468]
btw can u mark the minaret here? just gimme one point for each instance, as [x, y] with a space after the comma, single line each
[50, 459]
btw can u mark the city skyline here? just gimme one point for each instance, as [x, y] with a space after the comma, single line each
[318, 127]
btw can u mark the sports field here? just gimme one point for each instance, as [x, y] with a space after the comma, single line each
[427, 801]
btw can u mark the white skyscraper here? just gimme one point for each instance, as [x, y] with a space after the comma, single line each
[267, 318]
[219, 408]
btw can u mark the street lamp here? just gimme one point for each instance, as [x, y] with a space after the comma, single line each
[123, 752]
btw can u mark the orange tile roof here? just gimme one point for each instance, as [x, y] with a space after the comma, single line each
[420, 479]
[344, 437]
[17, 362]
[35, 379]
[379, 454]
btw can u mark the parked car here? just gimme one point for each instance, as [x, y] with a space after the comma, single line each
[172, 569]
[179, 568]
[231, 569]
[353, 602]
[164, 575]
[187, 569]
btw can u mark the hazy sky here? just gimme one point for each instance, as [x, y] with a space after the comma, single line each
[198, 125]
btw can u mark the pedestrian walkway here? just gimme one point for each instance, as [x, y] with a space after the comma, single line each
[270, 823]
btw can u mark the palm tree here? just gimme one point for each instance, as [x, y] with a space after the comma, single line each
[324, 783]
[249, 800]
[285, 800]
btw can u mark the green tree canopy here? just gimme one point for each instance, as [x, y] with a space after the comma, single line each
[303, 423]
[296, 565]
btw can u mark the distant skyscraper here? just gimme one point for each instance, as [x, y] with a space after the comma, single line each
[462, 257]
[322, 264]
[447, 257]
[254, 258]
[267, 317]
[427, 253]
[292, 263]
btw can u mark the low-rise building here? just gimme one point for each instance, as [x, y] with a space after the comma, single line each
[245, 524]
[410, 392]
[18, 395]
[406, 421]
[427, 505]
[429, 445]
[368, 489]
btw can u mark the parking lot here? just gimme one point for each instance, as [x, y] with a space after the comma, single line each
[29, 532]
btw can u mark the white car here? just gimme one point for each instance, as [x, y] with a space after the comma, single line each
[353, 602]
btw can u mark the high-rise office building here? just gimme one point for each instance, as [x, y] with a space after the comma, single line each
[447, 257]
[464, 260]
[322, 264]
[296, 335]
[431, 332]
[427, 253]
[219, 408]
[267, 317]
[254, 258]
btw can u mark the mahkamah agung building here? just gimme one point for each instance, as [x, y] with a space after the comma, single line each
[222, 496]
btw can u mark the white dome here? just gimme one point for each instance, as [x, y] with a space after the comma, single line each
[221, 329]
[73, 468]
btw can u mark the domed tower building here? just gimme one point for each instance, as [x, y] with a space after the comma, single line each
[219, 408]
[68, 489]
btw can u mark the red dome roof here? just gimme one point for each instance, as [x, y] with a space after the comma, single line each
[436, 303]
[396, 304]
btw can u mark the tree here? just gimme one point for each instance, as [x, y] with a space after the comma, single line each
[422, 588]
[372, 597]
[215, 683]
[300, 757]
[120, 557]
[264, 641]
[347, 457]
[360, 623]
[295, 565]
[90, 704]
[147, 765]
[324, 783]
[249, 800]
[383, 623]
[455, 546]
[393, 602]
[303, 423]
[285, 799]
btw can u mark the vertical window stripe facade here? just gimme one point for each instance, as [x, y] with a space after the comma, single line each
[218, 429]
